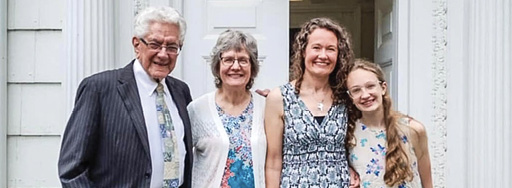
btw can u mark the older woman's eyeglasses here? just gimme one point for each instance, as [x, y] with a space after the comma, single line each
[369, 87]
[172, 49]
[228, 61]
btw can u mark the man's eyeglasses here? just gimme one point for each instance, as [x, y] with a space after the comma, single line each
[172, 49]
[369, 87]
[228, 61]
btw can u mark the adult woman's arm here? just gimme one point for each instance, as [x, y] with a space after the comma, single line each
[274, 125]
[422, 154]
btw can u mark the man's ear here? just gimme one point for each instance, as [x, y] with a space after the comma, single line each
[136, 46]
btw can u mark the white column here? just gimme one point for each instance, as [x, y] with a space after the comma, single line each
[3, 93]
[488, 91]
[90, 41]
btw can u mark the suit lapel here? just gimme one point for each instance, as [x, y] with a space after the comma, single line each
[129, 93]
[178, 98]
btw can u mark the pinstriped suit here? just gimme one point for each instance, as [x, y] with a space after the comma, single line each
[105, 143]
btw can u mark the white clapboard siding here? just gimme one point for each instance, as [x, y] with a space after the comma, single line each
[35, 109]
[32, 161]
[36, 98]
[35, 56]
[40, 14]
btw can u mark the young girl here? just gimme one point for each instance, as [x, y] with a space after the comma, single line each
[386, 147]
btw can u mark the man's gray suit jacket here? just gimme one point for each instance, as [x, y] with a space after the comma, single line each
[105, 143]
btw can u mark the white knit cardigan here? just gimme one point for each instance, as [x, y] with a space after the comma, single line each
[211, 143]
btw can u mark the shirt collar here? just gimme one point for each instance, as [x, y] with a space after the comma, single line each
[147, 84]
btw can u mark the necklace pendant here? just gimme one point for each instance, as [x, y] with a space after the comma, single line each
[320, 106]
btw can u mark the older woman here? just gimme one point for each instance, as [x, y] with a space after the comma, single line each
[227, 124]
[305, 119]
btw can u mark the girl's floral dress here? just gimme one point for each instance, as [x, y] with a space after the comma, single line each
[368, 157]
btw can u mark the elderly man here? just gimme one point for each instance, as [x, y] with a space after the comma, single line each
[130, 127]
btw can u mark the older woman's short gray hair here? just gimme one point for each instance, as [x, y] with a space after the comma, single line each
[151, 15]
[238, 41]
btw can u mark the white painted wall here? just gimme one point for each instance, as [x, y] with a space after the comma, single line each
[457, 152]
[36, 114]
[420, 61]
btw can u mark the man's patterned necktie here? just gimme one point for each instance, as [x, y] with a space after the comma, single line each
[167, 132]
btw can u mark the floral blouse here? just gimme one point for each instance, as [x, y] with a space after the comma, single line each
[239, 167]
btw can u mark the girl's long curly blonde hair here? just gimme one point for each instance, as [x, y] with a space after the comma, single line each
[398, 168]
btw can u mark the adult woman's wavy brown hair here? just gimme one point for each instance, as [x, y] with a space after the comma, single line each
[398, 168]
[345, 54]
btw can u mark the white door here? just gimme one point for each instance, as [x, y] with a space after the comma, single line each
[266, 20]
[384, 44]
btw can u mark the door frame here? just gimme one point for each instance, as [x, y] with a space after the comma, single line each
[401, 57]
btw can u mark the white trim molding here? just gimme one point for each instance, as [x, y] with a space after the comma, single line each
[439, 101]
[139, 5]
[89, 34]
[3, 93]
[401, 24]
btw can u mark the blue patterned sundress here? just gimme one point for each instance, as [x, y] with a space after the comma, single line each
[239, 172]
[314, 154]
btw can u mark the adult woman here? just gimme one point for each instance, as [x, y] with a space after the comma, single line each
[387, 148]
[305, 120]
[227, 124]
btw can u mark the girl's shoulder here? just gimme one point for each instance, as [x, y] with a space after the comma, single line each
[415, 132]
[412, 124]
[412, 128]
[408, 122]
